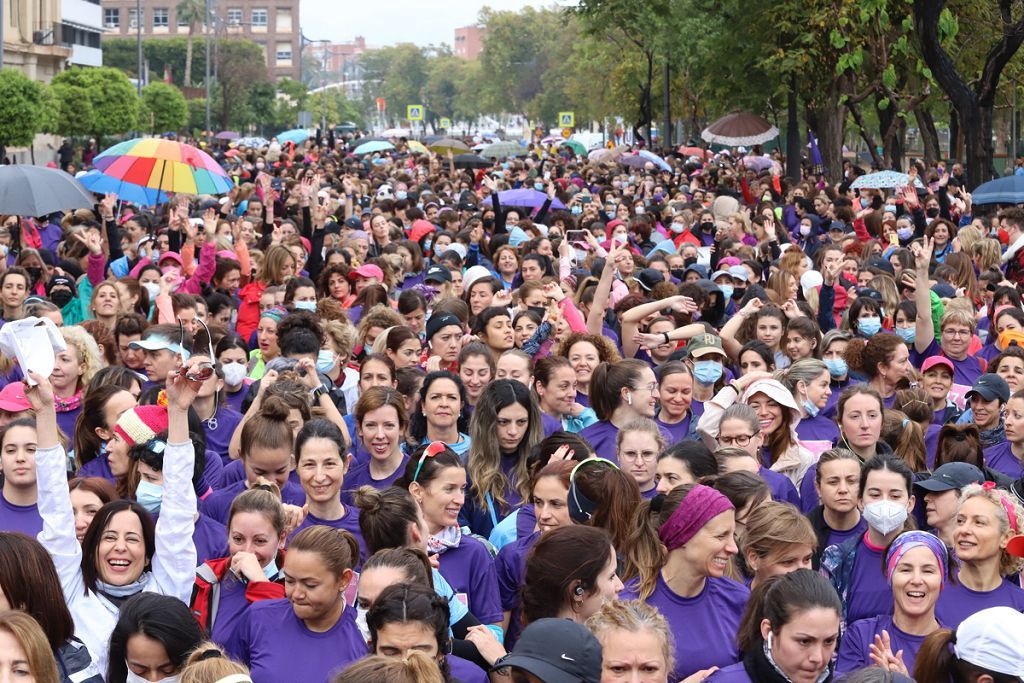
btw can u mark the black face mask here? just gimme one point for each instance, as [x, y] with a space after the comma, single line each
[931, 213]
[707, 227]
[539, 310]
[35, 273]
[690, 261]
[488, 223]
[679, 273]
[61, 297]
[738, 293]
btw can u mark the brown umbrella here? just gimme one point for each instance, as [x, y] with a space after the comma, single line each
[444, 145]
[738, 129]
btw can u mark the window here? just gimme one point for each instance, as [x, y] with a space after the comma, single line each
[161, 17]
[234, 16]
[259, 17]
[133, 18]
[283, 21]
[284, 52]
[111, 17]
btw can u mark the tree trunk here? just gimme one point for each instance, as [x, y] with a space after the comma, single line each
[666, 132]
[892, 129]
[830, 120]
[793, 144]
[929, 136]
[866, 135]
[955, 147]
[187, 78]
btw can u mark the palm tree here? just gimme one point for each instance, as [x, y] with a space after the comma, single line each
[192, 12]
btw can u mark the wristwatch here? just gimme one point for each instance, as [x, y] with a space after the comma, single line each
[316, 393]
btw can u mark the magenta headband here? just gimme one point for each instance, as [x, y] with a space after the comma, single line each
[701, 505]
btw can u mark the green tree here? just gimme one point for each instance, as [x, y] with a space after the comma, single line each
[243, 64]
[160, 53]
[193, 12]
[397, 73]
[112, 97]
[21, 106]
[75, 115]
[163, 108]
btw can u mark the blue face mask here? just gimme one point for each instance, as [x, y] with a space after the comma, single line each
[678, 228]
[305, 306]
[149, 496]
[271, 570]
[577, 210]
[907, 334]
[707, 372]
[401, 194]
[869, 327]
[426, 244]
[539, 187]
[809, 408]
[836, 367]
[727, 291]
[325, 361]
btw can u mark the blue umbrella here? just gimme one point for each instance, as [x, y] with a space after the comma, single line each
[371, 147]
[96, 181]
[1008, 190]
[527, 198]
[883, 180]
[252, 142]
[655, 159]
[296, 135]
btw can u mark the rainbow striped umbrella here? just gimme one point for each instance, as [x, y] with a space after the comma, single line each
[164, 165]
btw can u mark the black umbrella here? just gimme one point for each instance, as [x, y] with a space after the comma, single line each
[471, 161]
[39, 191]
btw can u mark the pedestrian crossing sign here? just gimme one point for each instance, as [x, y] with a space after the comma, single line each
[566, 119]
[414, 112]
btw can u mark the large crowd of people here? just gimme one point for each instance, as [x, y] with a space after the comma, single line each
[377, 418]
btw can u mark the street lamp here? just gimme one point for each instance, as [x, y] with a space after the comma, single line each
[206, 24]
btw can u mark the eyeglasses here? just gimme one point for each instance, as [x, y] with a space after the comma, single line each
[956, 333]
[200, 372]
[433, 450]
[633, 456]
[740, 440]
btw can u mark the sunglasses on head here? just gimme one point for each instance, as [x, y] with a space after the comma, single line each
[200, 372]
[433, 450]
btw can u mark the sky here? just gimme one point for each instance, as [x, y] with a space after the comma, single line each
[386, 22]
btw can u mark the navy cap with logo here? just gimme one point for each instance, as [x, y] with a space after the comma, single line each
[952, 475]
[353, 223]
[438, 274]
[556, 651]
[648, 278]
[990, 387]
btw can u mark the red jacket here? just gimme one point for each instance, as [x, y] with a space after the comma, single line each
[249, 309]
[206, 591]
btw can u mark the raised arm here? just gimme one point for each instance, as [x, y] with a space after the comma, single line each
[174, 561]
[58, 534]
[731, 328]
[631, 319]
[924, 327]
[595, 317]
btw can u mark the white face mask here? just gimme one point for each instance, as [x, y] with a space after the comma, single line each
[133, 677]
[153, 288]
[885, 516]
[234, 374]
[361, 622]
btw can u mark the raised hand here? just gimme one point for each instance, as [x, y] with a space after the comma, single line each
[210, 221]
[751, 307]
[182, 391]
[40, 395]
[91, 239]
[684, 304]
[107, 205]
[882, 655]
[553, 291]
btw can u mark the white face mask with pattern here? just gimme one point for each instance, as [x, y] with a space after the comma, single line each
[133, 677]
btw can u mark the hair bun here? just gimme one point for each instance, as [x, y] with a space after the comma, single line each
[274, 408]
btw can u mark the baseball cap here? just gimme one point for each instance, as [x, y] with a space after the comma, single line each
[990, 387]
[472, 274]
[648, 278]
[992, 639]
[703, 345]
[353, 223]
[160, 343]
[739, 273]
[837, 226]
[367, 270]
[944, 290]
[437, 274]
[952, 475]
[13, 399]
[698, 268]
[937, 360]
[879, 263]
[720, 273]
[556, 651]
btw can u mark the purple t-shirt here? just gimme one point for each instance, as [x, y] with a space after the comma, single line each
[66, 421]
[466, 671]
[232, 606]
[931, 444]
[550, 424]
[348, 521]
[1000, 457]
[782, 488]
[234, 472]
[526, 521]
[817, 433]
[678, 431]
[236, 399]
[583, 399]
[870, 593]
[211, 539]
[510, 567]
[213, 473]
[97, 467]
[218, 504]
[22, 518]
[602, 437]
[808, 494]
[217, 440]
[469, 569]
[836, 537]
[854, 648]
[278, 648]
[715, 613]
[957, 602]
[735, 673]
[360, 476]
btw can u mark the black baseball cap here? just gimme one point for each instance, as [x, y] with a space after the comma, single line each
[952, 475]
[353, 223]
[648, 278]
[556, 651]
[990, 387]
[437, 274]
